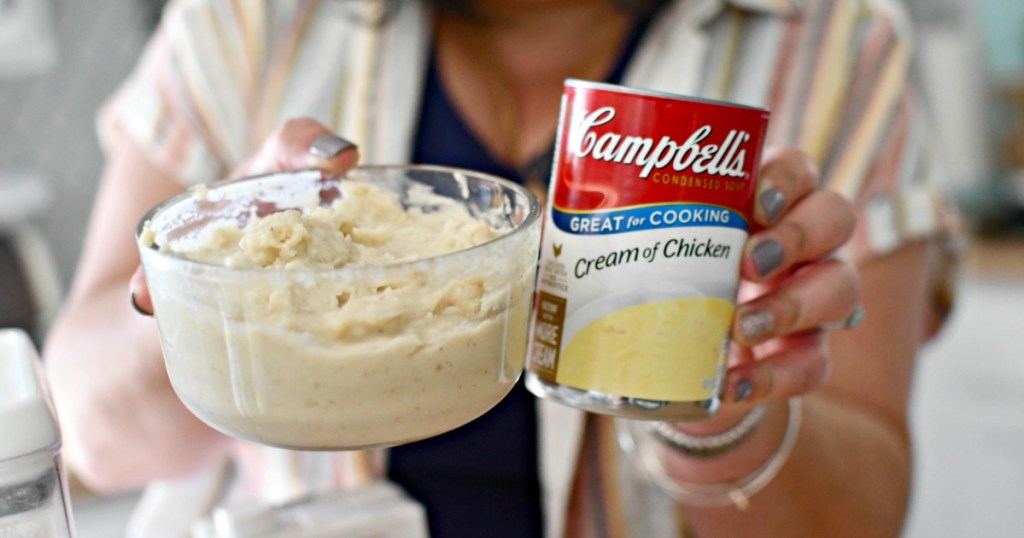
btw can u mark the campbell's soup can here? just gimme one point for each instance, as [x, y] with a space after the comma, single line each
[649, 207]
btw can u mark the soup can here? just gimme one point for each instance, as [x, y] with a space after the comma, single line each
[650, 204]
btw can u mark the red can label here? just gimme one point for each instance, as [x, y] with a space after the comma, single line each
[651, 196]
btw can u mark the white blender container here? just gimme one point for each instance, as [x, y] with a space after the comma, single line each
[34, 500]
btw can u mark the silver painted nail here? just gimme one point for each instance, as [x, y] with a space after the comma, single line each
[757, 324]
[329, 146]
[135, 306]
[772, 201]
[767, 256]
[743, 390]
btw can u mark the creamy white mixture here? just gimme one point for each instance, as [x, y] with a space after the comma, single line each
[298, 356]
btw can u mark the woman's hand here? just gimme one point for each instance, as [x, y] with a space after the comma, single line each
[790, 290]
[844, 455]
[790, 287]
[299, 144]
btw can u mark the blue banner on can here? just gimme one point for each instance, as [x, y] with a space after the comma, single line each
[647, 218]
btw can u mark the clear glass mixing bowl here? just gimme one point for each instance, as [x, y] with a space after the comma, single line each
[350, 357]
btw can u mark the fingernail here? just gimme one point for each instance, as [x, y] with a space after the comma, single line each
[136, 307]
[743, 389]
[757, 324]
[329, 146]
[767, 256]
[772, 202]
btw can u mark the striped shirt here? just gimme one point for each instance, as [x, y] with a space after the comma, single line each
[220, 75]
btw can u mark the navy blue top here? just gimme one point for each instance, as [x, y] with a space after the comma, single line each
[481, 479]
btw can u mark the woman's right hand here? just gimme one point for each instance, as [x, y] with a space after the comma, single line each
[122, 423]
[298, 144]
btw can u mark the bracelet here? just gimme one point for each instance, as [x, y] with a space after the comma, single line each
[647, 456]
[706, 446]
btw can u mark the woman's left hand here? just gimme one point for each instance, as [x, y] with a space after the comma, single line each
[791, 288]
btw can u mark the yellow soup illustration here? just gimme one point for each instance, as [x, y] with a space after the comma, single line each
[663, 350]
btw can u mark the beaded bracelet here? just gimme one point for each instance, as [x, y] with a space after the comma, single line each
[706, 446]
[647, 455]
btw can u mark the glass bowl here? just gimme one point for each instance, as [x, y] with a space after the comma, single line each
[309, 357]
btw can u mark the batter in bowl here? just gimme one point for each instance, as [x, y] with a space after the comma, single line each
[345, 326]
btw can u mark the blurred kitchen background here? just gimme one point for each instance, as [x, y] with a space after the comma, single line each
[59, 59]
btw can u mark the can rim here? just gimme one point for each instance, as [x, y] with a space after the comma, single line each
[590, 84]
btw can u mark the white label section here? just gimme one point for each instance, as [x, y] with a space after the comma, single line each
[601, 274]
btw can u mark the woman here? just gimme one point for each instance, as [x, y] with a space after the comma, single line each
[477, 84]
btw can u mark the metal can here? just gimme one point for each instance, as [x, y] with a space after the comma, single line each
[649, 208]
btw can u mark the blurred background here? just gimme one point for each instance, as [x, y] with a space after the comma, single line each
[59, 59]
